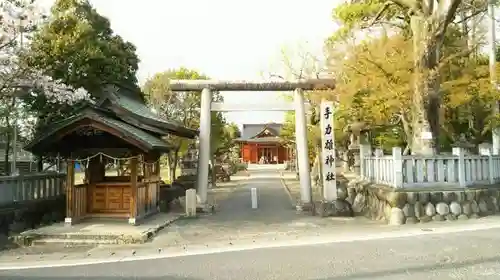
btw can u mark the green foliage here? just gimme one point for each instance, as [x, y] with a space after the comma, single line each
[184, 108]
[78, 46]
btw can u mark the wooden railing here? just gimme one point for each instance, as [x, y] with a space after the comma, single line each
[457, 169]
[31, 187]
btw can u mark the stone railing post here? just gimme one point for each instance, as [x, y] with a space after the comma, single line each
[377, 169]
[365, 150]
[485, 150]
[397, 167]
[460, 153]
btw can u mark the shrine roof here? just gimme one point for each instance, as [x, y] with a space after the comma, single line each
[129, 107]
[271, 139]
[88, 117]
[251, 131]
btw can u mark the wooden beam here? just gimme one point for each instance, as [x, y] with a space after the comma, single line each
[276, 106]
[220, 85]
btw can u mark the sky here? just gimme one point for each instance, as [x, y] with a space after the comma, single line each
[224, 39]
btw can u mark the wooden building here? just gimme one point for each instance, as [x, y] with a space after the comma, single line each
[261, 143]
[120, 128]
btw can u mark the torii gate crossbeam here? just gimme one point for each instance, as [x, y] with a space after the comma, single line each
[208, 86]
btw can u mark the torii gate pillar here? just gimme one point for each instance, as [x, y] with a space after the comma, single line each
[302, 149]
[204, 147]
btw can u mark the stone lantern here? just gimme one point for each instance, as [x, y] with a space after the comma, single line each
[358, 134]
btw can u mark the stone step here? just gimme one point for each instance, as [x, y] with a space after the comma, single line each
[73, 242]
[75, 236]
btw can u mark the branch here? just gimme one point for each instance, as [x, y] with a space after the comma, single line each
[472, 15]
[448, 59]
[380, 12]
[450, 15]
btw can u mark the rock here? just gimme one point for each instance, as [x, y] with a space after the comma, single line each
[359, 203]
[438, 218]
[460, 196]
[419, 209]
[474, 207]
[483, 206]
[337, 208]
[463, 217]
[396, 199]
[450, 217]
[397, 217]
[163, 206]
[442, 208]
[467, 208]
[423, 197]
[409, 210]
[495, 193]
[57, 216]
[342, 193]
[492, 204]
[448, 197]
[411, 220]
[470, 195]
[412, 197]
[351, 195]
[425, 219]
[19, 214]
[455, 208]
[46, 219]
[387, 211]
[436, 197]
[480, 194]
[18, 226]
[430, 210]
[474, 216]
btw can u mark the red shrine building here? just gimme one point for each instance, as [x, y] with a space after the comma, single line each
[261, 143]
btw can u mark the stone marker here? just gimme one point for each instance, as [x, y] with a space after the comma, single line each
[191, 203]
[254, 198]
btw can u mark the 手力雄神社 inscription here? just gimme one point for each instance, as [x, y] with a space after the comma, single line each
[328, 151]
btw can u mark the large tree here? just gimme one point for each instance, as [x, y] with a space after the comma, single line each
[426, 23]
[77, 46]
[374, 85]
[18, 20]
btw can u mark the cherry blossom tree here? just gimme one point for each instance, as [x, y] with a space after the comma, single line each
[18, 19]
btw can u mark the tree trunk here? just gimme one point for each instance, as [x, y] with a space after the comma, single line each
[426, 97]
[173, 159]
[214, 171]
[39, 164]
[7, 151]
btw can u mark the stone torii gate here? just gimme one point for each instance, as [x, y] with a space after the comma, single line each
[206, 87]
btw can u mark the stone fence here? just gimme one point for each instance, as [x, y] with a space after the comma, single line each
[456, 170]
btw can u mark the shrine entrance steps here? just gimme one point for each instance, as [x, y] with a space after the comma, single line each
[95, 231]
[263, 167]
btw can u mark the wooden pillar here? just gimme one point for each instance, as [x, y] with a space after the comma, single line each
[133, 191]
[70, 189]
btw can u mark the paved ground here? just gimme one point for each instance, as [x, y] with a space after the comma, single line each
[466, 255]
[226, 246]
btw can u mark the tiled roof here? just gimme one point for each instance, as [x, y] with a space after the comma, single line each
[251, 130]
